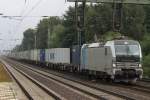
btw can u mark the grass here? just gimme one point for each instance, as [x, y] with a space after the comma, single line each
[4, 76]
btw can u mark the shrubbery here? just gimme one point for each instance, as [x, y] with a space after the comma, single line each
[146, 54]
[146, 65]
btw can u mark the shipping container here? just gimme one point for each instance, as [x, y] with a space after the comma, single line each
[58, 55]
[38, 54]
[34, 55]
[28, 55]
[95, 59]
[42, 55]
[50, 55]
[75, 55]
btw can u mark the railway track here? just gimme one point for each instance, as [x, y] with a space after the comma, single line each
[84, 90]
[32, 89]
[144, 83]
[124, 91]
[20, 85]
[136, 87]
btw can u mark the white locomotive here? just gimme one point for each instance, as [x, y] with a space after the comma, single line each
[119, 60]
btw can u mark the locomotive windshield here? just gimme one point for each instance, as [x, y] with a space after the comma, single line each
[130, 50]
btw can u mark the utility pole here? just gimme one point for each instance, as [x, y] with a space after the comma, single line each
[50, 27]
[48, 36]
[83, 28]
[117, 16]
[76, 21]
[35, 39]
[80, 21]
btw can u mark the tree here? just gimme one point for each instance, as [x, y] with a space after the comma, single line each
[45, 31]
[69, 36]
[54, 23]
[98, 20]
[147, 17]
[133, 21]
[28, 40]
[55, 31]
[146, 44]
[17, 48]
[42, 34]
[56, 37]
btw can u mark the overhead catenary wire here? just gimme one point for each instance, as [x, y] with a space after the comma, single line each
[34, 7]
[62, 6]
[23, 8]
[17, 19]
[25, 16]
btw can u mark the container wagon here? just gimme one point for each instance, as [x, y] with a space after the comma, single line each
[119, 60]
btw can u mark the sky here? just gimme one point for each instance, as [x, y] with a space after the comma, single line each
[11, 29]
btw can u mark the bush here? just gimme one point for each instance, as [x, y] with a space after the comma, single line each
[146, 65]
[146, 44]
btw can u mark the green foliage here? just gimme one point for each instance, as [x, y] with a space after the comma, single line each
[133, 21]
[61, 32]
[45, 32]
[146, 54]
[146, 61]
[146, 44]
[28, 40]
[147, 17]
[17, 48]
[56, 37]
[69, 36]
[98, 21]
[55, 28]
[42, 34]
[146, 65]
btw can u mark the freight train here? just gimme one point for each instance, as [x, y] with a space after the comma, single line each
[118, 60]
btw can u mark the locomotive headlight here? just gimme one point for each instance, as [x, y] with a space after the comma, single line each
[114, 65]
[140, 65]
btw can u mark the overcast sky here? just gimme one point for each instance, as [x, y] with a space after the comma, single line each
[11, 30]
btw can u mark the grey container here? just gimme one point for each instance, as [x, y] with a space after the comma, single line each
[97, 59]
[57, 55]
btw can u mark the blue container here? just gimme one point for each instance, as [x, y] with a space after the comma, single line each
[75, 55]
[84, 58]
[42, 55]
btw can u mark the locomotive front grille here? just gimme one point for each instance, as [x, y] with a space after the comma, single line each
[126, 65]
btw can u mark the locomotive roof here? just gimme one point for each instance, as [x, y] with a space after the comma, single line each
[121, 42]
[98, 44]
[113, 42]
